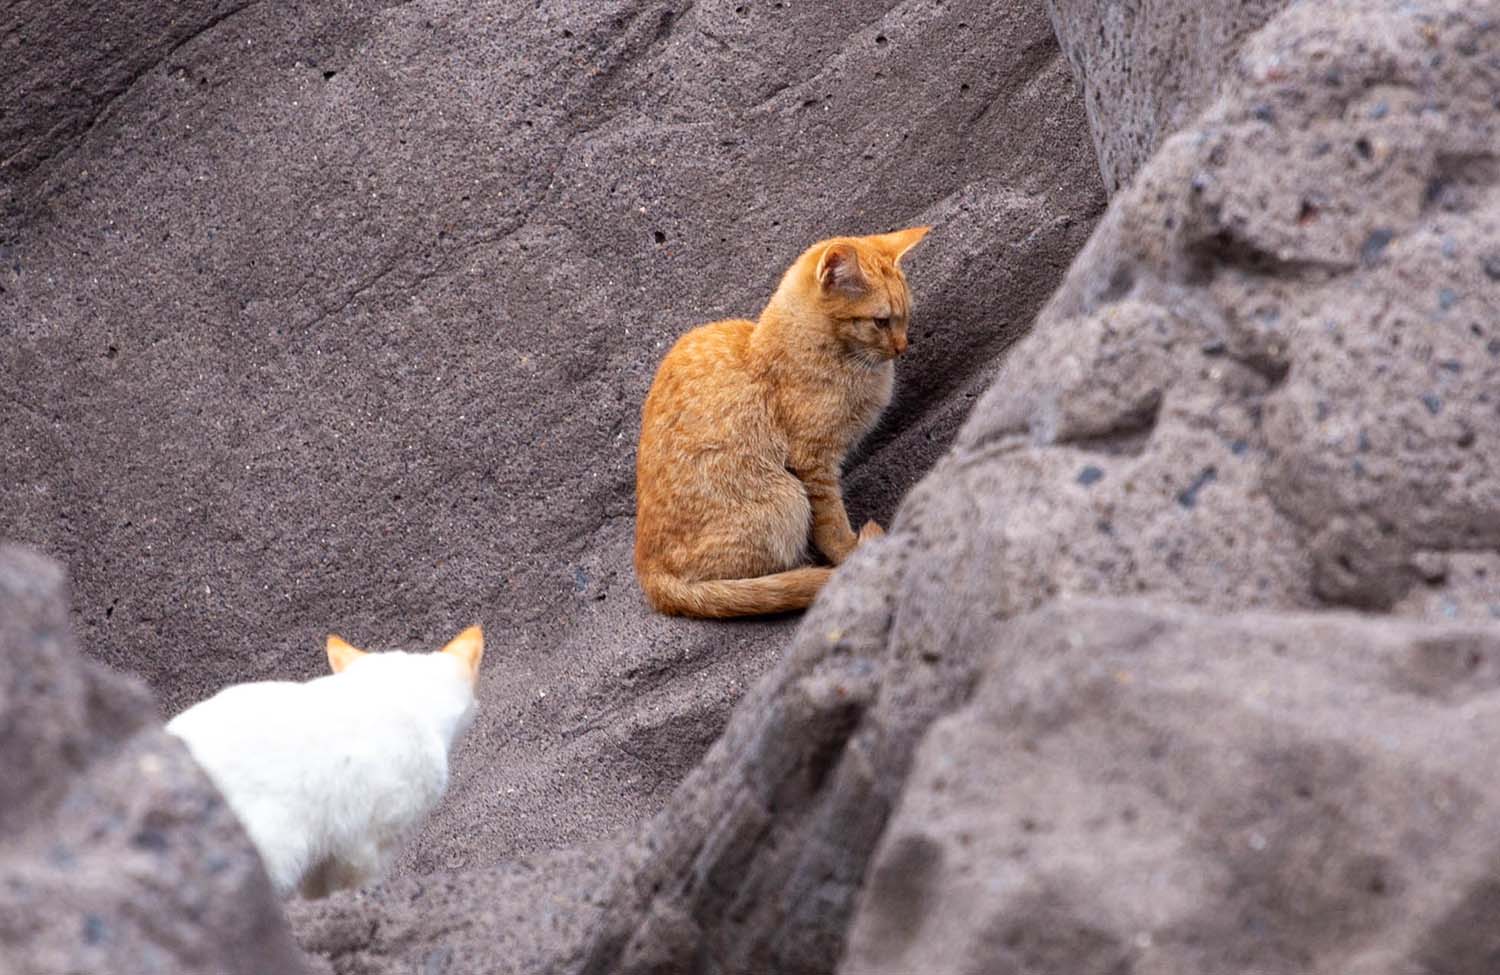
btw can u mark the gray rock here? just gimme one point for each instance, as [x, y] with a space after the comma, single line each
[1139, 787]
[342, 315]
[116, 853]
[1149, 67]
[1212, 324]
[62, 65]
[518, 917]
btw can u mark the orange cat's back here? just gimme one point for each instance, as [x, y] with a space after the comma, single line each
[699, 422]
[713, 497]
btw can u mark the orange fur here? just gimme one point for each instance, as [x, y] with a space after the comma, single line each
[468, 647]
[340, 653]
[746, 428]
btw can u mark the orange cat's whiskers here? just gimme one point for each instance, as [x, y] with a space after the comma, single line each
[746, 428]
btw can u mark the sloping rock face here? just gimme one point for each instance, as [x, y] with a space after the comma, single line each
[116, 854]
[341, 315]
[65, 64]
[1269, 381]
[1135, 787]
[1149, 67]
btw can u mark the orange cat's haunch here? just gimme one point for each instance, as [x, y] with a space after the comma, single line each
[746, 427]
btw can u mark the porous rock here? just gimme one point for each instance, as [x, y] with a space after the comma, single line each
[1141, 787]
[1269, 381]
[116, 853]
[1149, 67]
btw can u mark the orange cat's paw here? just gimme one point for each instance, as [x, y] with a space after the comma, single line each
[871, 530]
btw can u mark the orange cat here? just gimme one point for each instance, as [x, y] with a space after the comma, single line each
[746, 427]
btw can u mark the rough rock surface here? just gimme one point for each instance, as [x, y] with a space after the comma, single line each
[1270, 380]
[1148, 67]
[1137, 787]
[338, 316]
[63, 64]
[116, 853]
[359, 371]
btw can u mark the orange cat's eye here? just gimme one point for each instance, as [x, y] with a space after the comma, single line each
[882, 323]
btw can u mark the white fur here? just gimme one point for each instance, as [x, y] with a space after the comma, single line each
[329, 777]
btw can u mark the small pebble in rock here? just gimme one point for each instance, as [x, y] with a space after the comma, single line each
[94, 929]
[1433, 402]
[1188, 497]
[1375, 244]
[1090, 475]
[1447, 298]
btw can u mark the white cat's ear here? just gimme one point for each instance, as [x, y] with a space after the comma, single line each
[898, 242]
[340, 653]
[838, 269]
[468, 646]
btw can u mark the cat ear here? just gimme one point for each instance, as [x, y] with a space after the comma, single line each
[341, 654]
[898, 242]
[468, 646]
[838, 268]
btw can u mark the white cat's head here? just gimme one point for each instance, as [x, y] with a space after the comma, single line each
[442, 681]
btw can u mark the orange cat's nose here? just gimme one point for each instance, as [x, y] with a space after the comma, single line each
[898, 343]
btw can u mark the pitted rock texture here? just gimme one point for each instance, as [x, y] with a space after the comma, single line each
[1141, 787]
[116, 853]
[1149, 67]
[63, 65]
[1269, 381]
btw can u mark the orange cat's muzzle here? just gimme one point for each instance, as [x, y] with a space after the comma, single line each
[898, 344]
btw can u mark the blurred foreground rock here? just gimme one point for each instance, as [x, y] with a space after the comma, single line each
[116, 854]
[1139, 787]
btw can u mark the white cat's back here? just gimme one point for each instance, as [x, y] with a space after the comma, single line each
[318, 769]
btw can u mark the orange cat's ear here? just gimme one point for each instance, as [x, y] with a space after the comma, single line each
[898, 242]
[341, 654]
[838, 268]
[468, 646]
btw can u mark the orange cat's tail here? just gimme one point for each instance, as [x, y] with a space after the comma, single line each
[720, 598]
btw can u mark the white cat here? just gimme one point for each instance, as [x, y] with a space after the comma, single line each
[330, 776]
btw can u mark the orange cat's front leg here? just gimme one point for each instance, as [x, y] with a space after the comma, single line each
[830, 522]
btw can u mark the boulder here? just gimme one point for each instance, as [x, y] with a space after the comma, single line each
[1269, 381]
[1136, 786]
[116, 853]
